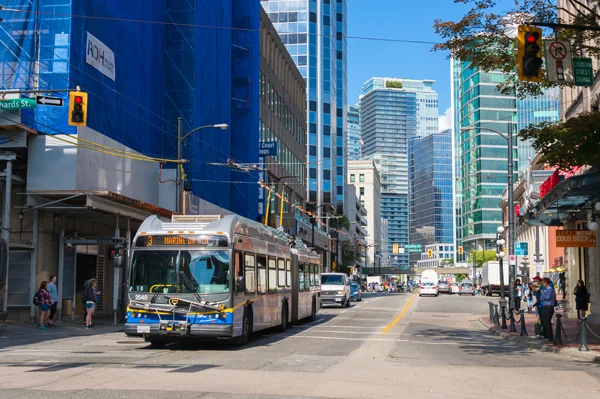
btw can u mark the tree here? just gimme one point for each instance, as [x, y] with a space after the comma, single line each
[565, 145]
[341, 222]
[486, 35]
[482, 257]
[447, 262]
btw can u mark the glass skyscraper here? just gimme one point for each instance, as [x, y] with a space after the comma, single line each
[392, 112]
[483, 154]
[314, 32]
[353, 133]
[431, 191]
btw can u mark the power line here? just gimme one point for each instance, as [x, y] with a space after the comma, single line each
[215, 27]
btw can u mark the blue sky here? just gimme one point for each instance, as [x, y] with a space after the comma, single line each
[398, 19]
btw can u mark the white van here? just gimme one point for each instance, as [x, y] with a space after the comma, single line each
[335, 289]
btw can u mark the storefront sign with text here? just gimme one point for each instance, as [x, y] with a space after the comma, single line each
[575, 238]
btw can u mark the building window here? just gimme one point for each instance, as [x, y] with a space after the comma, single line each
[362, 191]
[352, 178]
[361, 178]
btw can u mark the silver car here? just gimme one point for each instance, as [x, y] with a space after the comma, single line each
[466, 288]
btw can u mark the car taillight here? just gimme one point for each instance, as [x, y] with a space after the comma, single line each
[421, 287]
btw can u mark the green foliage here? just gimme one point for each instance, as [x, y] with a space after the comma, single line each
[340, 223]
[482, 257]
[447, 262]
[574, 142]
[486, 35]
[393, 84]
[348, 252]
[460, 277]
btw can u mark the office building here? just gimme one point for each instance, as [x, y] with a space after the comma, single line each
[456, 156]
[440, 254]
[314, 33]
[392, 112]
[431, 195]
[364, 176]
[484, 154]
[354, 147]
[283, 127]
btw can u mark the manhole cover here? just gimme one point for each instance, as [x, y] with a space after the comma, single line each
[130, 342]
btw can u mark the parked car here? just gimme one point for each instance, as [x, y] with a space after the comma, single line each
[466, 288]
[444, 286]
[428, 288]
[454, 288]
[355, 291]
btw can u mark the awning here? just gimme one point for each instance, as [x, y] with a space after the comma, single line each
[566, 198]
[90, 203]
[556, 270]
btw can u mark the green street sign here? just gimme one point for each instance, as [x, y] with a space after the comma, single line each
[17, 104]
[413, 247]
[582, 70]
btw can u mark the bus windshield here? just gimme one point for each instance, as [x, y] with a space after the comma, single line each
[202, 272]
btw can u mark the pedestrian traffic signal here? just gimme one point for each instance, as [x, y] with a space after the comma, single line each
[351, 270]
[429, 253]
[460, 250]
[78, 102]
[529, 55]
[395, 249]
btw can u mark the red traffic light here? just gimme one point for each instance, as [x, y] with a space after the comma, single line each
[530, 39]
[78, 99]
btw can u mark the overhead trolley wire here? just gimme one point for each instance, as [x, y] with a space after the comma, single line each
[216, 27]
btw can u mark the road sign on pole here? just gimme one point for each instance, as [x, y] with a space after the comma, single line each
[513, 260]
[559, 61]
[521, 248]
[582, 69]
[15, 104]
[51, 101]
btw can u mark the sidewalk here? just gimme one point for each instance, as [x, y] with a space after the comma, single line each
[571, 341]
[13, 333]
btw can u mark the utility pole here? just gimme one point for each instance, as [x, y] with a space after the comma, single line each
[512, 231]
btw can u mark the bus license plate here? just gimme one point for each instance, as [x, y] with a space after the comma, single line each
[143, 329]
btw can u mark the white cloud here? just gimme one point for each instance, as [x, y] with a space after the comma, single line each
[445, 120]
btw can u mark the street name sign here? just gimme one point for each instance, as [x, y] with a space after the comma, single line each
[268, 148]
[413, 247]
[51, 101]
[582, 69]
[521, 248]
[17, 103]
[559, 61]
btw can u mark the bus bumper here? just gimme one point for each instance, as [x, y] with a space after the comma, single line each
[194, 330]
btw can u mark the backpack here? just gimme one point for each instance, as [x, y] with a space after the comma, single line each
[36, 299]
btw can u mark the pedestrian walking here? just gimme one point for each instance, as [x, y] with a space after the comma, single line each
[582, 298]
[91, 296]
[53, 291]
[548, 298]
[528, 294]
[44, 302]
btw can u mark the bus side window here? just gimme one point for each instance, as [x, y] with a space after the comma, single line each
[281, 272]
[261, 263]
[301, 277]
[238, 277]
[288, 273]
[250, 274]
[312, 275]
[272, 275]
[307, 277]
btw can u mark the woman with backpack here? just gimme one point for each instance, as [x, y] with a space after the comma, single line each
[582, 298]
[44, 301]
[91, 296]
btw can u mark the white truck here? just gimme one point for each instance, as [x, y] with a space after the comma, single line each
[490, 278]
[430, 276]
[374, 279]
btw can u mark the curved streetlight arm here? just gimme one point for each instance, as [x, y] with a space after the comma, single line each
[221, 126]
[504, 136]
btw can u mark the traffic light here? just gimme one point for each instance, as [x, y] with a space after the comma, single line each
[351, 270]
[529, 55]
[395, 249]
[78, 102]
[429, 253]
[460, 250]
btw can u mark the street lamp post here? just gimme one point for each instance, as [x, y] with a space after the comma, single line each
[512, 233]
[180, 140]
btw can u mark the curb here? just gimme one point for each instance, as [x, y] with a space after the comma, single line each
[570, 352]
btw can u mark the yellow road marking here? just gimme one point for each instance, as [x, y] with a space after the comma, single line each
[397, 319]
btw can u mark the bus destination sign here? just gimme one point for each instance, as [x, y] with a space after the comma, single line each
[173, 240]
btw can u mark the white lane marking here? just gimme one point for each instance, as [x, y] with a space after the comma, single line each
[328, 326]
[351, 332]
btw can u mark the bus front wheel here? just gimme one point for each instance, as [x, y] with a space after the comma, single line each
[246, 327]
